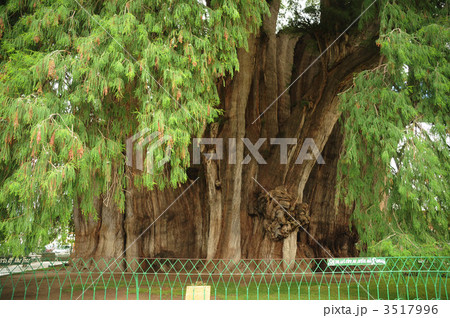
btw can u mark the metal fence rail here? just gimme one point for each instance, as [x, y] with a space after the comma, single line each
[362, 278]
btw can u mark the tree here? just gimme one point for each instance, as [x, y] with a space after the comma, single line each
[79, 79]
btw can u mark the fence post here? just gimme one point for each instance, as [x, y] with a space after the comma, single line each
[137, 286]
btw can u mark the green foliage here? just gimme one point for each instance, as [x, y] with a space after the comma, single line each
[396, 166]
[76, 82]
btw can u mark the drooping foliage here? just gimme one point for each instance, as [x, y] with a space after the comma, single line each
[396, 166]
[77, 78]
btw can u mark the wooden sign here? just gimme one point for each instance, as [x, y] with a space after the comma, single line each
[198, 292]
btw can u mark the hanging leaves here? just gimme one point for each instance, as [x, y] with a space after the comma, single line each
[52, 140]
[80, 152]
[16, 120]
[38, 137]
[51, 69]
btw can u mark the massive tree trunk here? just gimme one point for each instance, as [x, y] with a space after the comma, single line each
[230, 209]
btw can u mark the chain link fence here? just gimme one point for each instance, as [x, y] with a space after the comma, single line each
[334, 279]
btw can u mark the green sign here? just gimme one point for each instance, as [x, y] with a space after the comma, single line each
[6, 261]
[356, 261]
